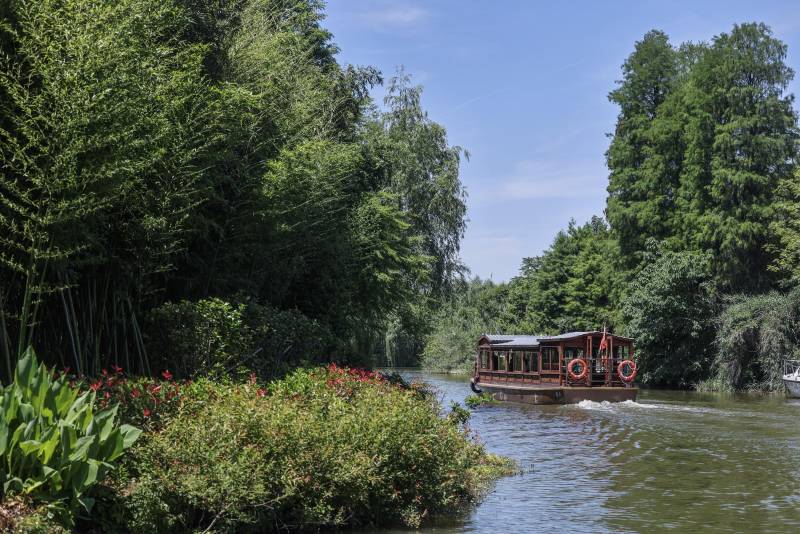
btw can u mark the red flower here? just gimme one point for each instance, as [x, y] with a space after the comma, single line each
[167, 375]
[147, 412]
[108, 394]
[134, 393]
[105, 372]
[262, 392]
[96, 385]
[155, 389]
[117, 369]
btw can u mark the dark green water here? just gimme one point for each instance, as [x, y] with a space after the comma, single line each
[673, 461]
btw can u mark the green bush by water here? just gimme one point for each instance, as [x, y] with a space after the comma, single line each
[323, 447]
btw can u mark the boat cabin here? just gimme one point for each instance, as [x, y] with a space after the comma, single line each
[543, 360]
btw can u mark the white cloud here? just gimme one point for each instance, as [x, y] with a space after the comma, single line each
[550, 180]
[394, 16]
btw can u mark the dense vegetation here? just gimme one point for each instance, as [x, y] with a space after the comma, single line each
[157, 152]
[197, 198]
[697, 256]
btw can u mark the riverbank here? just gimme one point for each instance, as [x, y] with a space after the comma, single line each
[323, 447]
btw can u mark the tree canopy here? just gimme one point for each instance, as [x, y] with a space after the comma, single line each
[159, 151]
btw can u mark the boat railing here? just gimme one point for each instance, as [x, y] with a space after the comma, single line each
[791, 367]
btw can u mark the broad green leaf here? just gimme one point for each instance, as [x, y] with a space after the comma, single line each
[130, 434]
[26, 368]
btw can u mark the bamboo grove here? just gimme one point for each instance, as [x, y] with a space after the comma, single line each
[165, 151]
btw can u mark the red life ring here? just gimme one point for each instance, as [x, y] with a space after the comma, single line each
[584, 369]
[621, 370]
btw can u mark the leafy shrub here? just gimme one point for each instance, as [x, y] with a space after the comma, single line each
[218, 338]
[754, 335]
[322, 447]
[53, 444]
[147, 402]
[669, 311]
[480, 399]
[207, 336]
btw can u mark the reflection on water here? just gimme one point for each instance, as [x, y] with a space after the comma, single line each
[674, 461]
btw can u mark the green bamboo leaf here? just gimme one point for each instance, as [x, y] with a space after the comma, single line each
[3, 437]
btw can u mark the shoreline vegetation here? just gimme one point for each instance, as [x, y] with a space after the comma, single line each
[325, 447]
[202, 210]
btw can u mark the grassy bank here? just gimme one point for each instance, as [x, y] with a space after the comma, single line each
[323, 447]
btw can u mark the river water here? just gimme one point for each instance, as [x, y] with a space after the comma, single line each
[672, 461]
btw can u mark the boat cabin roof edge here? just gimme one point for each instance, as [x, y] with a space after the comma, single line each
[528, 341]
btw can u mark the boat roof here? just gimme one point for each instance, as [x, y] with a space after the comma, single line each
[516, 340]
[511, 340]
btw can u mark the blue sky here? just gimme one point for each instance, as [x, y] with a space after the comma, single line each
[523, 86]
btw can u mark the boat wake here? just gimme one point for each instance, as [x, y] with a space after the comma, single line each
[606, 406]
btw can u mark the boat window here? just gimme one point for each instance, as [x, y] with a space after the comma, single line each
[530, 362]
[550, 359]
[495, 361]
[516, 362]
[501, 362]
[484, 359]
[572, 352]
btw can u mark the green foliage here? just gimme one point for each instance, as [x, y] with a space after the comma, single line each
[704, 147]
[53, 444]
[474, 401]
[741, 143]
[754, 336]
[669, 311]
[644, 149]
[100, 129]
[162, 151]
[476, 308]
[323, 448]
[574, 285]
[215, 337]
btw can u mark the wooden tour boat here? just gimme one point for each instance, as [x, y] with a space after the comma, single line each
[562, 369]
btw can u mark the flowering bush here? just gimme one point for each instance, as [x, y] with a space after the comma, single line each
[146, 402]
[323, 447]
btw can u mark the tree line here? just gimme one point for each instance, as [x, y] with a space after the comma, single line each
[697, 255]
[210, 166]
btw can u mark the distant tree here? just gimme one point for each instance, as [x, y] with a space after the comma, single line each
[475, 308]
[574, 285]
[645, 147]
[669, 311]
[414, 160]
[741, 144]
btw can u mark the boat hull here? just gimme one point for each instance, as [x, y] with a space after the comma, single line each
[527, 394]
[793, 386]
